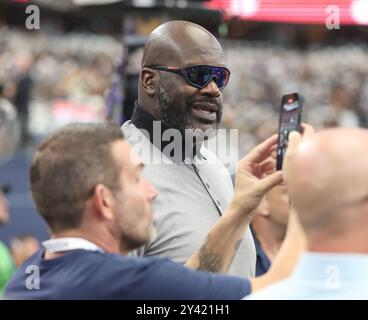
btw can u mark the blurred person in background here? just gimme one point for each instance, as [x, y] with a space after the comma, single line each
[9, 126]
[22, 247]
[327, 178]
[4, 101]
[341, 101]
[22, 99]
[269, 227]
[99, 210]
[6, 261]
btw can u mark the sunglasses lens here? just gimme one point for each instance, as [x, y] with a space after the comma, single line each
[222, 76]
[199, 75]
[202, 75]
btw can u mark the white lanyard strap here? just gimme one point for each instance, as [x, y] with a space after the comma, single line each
[68, 244]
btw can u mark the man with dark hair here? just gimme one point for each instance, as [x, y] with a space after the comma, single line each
[87, 185]
[269, 227]
[78, 165]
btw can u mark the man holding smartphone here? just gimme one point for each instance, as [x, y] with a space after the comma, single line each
[87, 185]
[327, 178]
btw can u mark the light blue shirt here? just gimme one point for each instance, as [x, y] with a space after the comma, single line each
[322, 276]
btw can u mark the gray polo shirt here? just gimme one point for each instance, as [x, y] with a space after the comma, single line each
[191, 198]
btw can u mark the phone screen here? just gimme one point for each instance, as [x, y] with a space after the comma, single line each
[290, 120]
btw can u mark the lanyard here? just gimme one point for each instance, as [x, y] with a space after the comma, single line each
[69, 244]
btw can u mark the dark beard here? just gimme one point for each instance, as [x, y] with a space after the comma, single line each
[171, 114]
[176, 115]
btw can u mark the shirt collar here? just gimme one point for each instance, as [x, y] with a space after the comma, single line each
[142, 119]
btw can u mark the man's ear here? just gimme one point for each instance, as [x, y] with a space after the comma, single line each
[103, 202]
[149, 79]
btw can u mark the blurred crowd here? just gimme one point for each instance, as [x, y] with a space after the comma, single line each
[333, 81]
[53, 79]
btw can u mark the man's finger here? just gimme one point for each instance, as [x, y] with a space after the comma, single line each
[262, 151]
[270, 181]
[307, 130]
[268, 166]
[295, 137]
[294, 140]
[273, 148]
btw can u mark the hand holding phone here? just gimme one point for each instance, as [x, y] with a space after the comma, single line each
[290, 120]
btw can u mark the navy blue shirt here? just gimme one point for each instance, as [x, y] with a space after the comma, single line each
[263, 263]
[82, 274]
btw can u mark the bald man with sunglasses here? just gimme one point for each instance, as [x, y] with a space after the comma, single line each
[182, 76]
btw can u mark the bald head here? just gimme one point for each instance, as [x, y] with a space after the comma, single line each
[169, 96]
[176, 42]
[328, 181]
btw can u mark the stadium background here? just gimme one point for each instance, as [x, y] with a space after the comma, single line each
[83, 64]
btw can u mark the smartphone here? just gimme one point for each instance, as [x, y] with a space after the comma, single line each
[290, 120]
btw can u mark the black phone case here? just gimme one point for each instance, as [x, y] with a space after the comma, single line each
[282, 149]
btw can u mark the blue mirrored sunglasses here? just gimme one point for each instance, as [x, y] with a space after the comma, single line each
[200, 76]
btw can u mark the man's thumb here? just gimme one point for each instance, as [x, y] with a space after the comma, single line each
[269, 181]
